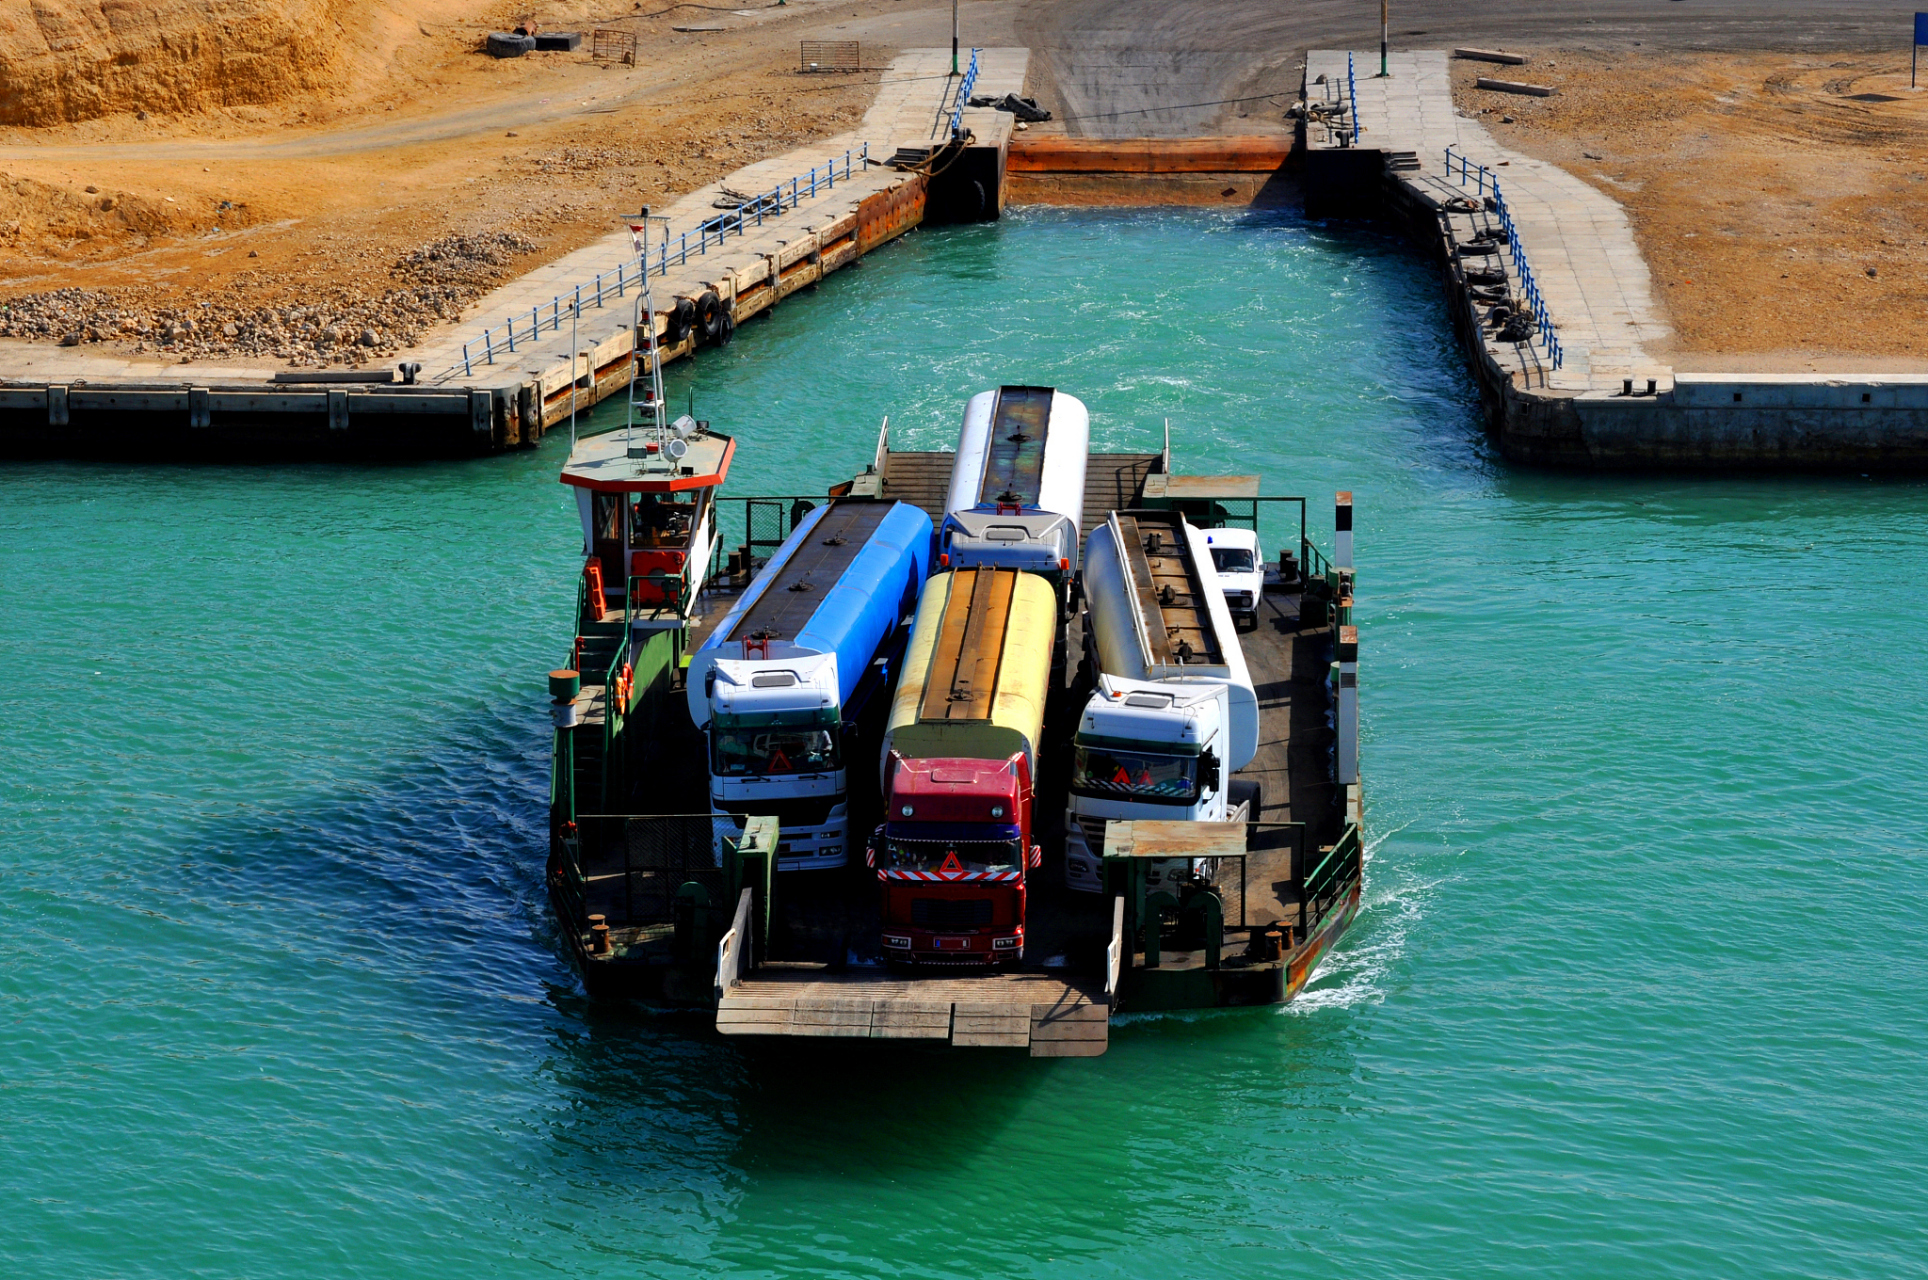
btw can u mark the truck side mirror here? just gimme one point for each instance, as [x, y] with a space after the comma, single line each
[1208, 772]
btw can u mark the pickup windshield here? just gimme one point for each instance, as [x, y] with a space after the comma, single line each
[756, 753]
[1138, 775]
[935, 855]
[1231, 559]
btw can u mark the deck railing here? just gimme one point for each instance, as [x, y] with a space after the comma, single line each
[1485, 180]
[548, 316]
[768, 519]
[1337, 870]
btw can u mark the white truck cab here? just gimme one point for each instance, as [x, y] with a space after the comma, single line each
[1144, 750]
[776, 742]
[1241, 573]
[1173, 714]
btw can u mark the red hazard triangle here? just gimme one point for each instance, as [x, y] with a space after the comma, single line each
[952, 868]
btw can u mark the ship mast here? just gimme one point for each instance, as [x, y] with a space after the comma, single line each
[660, 448]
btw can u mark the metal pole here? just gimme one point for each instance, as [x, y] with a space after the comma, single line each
[953, 37]
[1382, 39]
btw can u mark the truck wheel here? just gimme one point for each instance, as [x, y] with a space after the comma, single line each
[1243, 791]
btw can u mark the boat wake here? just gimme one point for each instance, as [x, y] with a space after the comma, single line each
[1353, 972]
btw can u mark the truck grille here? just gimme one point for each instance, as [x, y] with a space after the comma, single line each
[948, 913]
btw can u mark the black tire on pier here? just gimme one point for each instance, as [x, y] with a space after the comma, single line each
[708, 308]
[679, 321]
[505, 44]
[725, 329]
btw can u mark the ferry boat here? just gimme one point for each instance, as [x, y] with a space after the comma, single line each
[1214, 875]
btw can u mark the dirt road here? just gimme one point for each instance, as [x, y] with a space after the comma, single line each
[1163, 68]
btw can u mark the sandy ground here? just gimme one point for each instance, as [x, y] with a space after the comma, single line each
[1781, 200]
[265, 206]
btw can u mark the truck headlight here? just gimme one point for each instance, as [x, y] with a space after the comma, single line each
[1006, 944]
[897, 941]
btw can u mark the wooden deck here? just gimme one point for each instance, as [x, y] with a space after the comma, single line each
[1053, 1016]
[1288, 667]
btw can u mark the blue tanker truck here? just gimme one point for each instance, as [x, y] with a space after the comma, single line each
[781, 685]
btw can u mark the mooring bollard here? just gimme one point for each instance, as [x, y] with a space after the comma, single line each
[564, 685]
[598, 935]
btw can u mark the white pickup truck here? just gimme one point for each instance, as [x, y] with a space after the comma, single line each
[1241, 574]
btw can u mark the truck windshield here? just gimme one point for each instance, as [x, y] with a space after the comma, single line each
[936, 855]
[1231, 559]
[747, 753]
[1109, 771]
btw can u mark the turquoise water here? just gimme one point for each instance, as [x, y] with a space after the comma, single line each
[1637, 990]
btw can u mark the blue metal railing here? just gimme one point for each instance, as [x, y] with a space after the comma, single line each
[964, 95]
[1485, 180]
[626, 276]
[1478, 173]
[1352, 99]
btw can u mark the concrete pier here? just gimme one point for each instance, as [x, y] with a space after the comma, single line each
[565, 332]
[1581, 389]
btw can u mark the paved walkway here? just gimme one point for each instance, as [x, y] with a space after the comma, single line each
[1596, 287]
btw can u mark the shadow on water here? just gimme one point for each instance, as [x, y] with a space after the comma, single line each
[430, 876]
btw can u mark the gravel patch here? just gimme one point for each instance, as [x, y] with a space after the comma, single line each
[338, 325]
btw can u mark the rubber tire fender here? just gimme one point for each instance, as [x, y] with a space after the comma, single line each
[708, 308]
[679, 320]
[506, 44]
[725, 328]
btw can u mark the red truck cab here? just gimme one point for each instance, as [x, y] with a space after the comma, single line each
[952, 856]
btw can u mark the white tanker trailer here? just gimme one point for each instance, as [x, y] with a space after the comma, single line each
[1174, 714]
[1016, 499]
